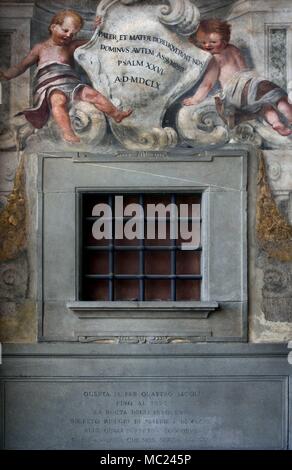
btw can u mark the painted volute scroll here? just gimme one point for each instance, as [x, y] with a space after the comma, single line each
[142, 59]
[148, 80]
[145, 56]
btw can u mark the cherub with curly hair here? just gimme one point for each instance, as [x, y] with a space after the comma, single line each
[242, 90]
[56, 82]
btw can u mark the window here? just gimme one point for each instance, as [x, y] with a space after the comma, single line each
[157, 260]
[92, 289]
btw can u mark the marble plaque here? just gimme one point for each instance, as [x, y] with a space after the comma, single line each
[141, 58]
[153, 413]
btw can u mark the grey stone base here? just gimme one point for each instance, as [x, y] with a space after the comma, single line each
[203, 396]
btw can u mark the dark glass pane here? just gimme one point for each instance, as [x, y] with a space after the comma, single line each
[156, 199]
[129, 243]
[126, 262]
[188, 262]
[126, 290]
[129, 199]
[193, 203]
[157, 262]
[96, 290]
[157, 289]
[188, 289]
[188, 199]
[96, 263]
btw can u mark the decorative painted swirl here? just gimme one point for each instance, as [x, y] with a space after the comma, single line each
[103, 6]
[88, 122]
[157, 138]
[180, 15]
[129, 2]
[245, 133]
[201, 127]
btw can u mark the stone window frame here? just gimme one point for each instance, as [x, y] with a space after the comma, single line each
[222, 314]
[138, 309]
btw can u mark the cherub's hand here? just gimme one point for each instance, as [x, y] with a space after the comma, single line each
[189, 101]
[3, 76]
[98, 21]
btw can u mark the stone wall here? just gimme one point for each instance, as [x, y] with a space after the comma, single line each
[270, 295]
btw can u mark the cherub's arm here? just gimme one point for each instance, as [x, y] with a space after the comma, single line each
[16, 70]
[208, 82]
[80, 42]
[240, 60]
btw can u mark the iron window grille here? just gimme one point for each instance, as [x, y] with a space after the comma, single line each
[138, 270]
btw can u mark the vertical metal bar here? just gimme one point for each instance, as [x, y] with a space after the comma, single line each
[173, 254]
[111, 254]
[81, 229]
[142, 257]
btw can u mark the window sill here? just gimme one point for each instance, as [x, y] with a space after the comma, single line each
[134, 309]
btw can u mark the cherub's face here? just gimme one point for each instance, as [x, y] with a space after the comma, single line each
[211, 42]
[62, 34]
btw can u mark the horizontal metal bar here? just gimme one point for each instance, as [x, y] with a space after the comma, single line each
[138, 248]
[195, 277]
[146, 192]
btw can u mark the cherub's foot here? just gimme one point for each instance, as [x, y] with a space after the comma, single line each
[71, 137]
[282, 129]
[118, 116]
[189, 102]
